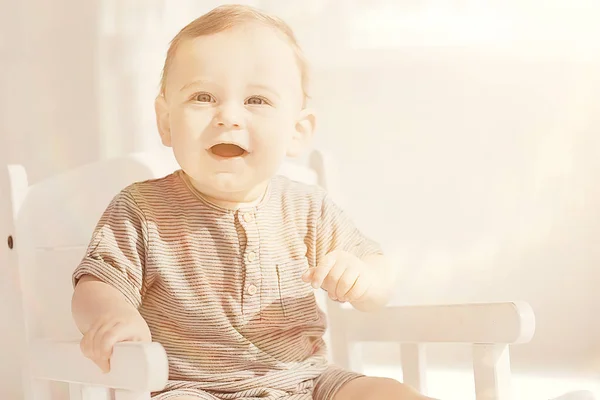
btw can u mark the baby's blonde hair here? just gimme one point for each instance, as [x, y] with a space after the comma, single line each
[227, 17]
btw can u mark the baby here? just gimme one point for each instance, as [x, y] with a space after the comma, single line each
[219, 260]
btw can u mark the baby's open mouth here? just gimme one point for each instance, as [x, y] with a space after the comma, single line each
[228, 150]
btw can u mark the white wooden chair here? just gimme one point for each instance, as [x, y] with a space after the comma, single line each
[46, 227]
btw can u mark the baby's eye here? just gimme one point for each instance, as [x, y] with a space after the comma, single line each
[204, 98]
[256, 100]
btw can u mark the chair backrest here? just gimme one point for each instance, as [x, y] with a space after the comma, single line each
[54, 220]
[13, 183]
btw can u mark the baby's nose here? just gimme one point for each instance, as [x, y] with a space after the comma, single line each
[225, 124]
[229, 117]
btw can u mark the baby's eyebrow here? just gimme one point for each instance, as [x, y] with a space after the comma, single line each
[265, 87]
[202, 81]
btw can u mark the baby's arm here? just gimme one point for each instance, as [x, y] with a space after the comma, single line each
[93, 299]
[105, 317]
[108, 282]
[348, 265]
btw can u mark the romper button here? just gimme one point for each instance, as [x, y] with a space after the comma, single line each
[252, 289]
[251, 256]
[248, 217]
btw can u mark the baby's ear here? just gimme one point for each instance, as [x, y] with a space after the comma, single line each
[163, 120]
[303, 133]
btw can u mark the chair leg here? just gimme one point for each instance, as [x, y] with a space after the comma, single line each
[491, 369]
[82, 392]
[414, 366]
[127, 395]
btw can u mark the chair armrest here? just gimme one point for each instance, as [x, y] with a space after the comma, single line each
[134, 366]
[479, 323]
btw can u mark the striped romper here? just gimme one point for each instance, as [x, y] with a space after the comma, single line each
[221, 289]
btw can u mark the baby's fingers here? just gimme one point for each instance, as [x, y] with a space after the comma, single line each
[346, 283]
[104, 343]
[89, 338]
[322, 270]
[308, 275]
[102, 363]
[86, 344]
[332, 279]
[88, 348]
[360, 288]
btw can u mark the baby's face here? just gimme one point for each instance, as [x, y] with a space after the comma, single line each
[233, 110]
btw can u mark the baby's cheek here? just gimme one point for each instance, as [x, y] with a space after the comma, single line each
[195, 125]
[269, 135]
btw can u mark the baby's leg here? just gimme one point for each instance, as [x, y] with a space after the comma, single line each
[367, 388]
[338, 384]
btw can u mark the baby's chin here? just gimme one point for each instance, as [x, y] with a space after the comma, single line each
[231, 187]
[230, 183]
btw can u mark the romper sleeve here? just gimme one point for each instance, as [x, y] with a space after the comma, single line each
[336, 231]
[117, 251]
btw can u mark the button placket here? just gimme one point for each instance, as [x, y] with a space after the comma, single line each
[252, 289]
[248, 217]
[253, 276]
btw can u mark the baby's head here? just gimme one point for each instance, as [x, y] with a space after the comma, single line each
[232, 101]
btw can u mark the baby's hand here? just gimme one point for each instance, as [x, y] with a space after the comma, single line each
[342, 275]
[98, 342]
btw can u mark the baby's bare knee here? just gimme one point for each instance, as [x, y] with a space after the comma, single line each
[390, 389]
[378, 389]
